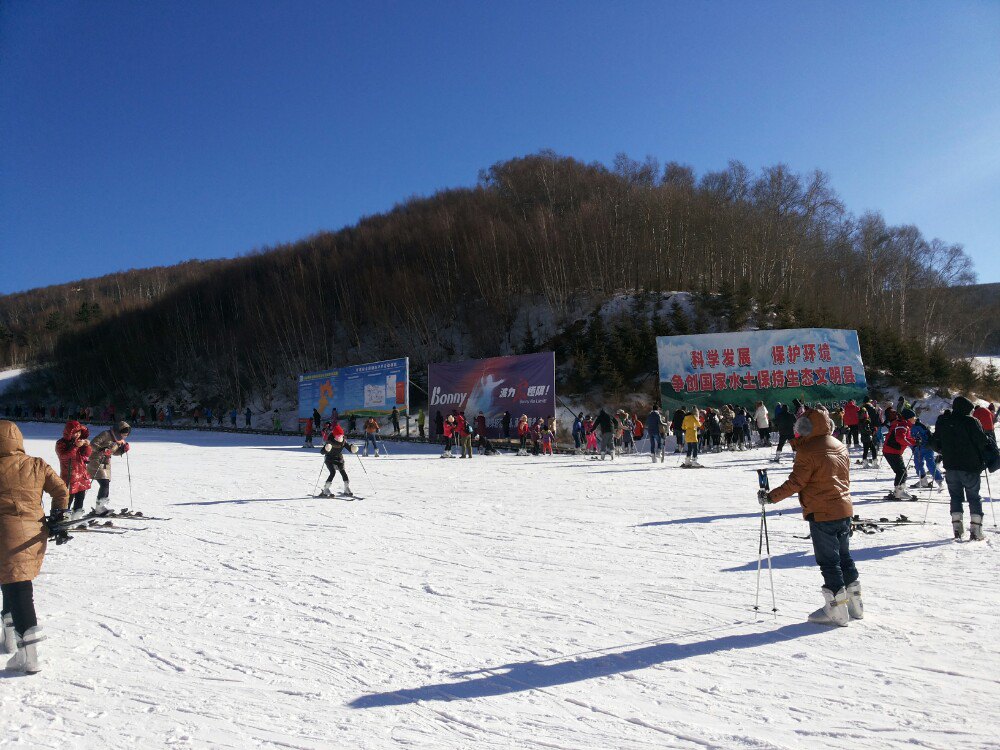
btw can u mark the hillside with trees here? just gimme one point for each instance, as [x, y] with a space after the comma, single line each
[521, 262]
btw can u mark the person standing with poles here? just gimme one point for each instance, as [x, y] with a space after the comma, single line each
[965, 451]
[821, 475]
[24, 535]
[109, 443]
[656, 427]
[333, 457]
[74, 450]
[897, 440]
[371, 434]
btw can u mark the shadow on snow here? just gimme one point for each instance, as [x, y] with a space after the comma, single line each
[805, 559]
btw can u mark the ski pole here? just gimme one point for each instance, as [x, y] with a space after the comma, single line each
[989, 491]
[128, 469]
[367, 476]
[316, 483]
[770, 569]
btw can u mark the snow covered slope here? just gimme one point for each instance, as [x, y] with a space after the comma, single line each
[494, 603]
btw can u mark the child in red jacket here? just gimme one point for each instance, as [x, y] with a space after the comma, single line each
[897, 440]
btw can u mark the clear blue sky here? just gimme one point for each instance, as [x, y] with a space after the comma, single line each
[144, 133]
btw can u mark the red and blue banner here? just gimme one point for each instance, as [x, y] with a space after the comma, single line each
[522, 384]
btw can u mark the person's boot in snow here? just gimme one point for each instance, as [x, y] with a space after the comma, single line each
[103, 507]
[901, 493]
[326, 490]
[957, 526]
[9, 636]
[347, 490]
[940, 484]
[976, 528]
[855, 607]
[26, 658]
[834, 610]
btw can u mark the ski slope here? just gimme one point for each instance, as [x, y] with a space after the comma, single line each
[495, 603]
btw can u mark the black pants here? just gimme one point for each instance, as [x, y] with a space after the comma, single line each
[19, 602]
[421, 428]
[334, 467]
[76, 500]
[781, 442]
[869, 447]
[104, 488]
[854, 435]
[898, 467]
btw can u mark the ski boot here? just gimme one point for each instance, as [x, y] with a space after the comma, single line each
[326, 491]
[376, 454]
[855, 607]
[900, 493]
[26, 658]
[976, 528]
[957, 526]
[9, 636]
[940, 484]
[654, 458]
[76, 514]
[834, 610]
[103, 508]
[347, 490]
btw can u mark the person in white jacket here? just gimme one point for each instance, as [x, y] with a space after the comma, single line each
[763, 421]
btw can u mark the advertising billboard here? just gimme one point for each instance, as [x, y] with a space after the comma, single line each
[815, 365]
[371, 389]
[522, 384]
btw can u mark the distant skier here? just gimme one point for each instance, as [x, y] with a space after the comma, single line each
[923, 458]
[394, 418]
[371, 434]
[821, 475]
[247, 415]
[784, 422]
[333, 457]
[74, 450]
[421, 423]
[677, 427]
[308, 427]
[656, 428]
[691, 425]
[578, 436]
[23, 539]
[317, 418]
[111, 442]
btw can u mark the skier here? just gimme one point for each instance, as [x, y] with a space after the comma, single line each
[785, 424]
[317, 418]
[394, 418]
[604, 425]
[333, 457]
[23, 539]
[867, 432]
[505, 424]
[726, 415]
[923, 458]
[547, 438]
[421, 422]
[985, 417]
[821, 475]
[523, 432]
[691, 426]
[897, 441]
[965, 451]
[449, 432]
[763, 421]
[309, 434]
[371, 431]
[677, 427]
[656, 426]
[247, 415]
[73, 449]
[852, 423]
[481, 424]
[577, 430]
[109, 443]
[438, 424]
[465, 436]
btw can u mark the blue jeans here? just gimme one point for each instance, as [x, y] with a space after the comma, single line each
[962, 485]
[655, 442]
[692, 450]
[923, 460]
[370, 438]
[832, 545]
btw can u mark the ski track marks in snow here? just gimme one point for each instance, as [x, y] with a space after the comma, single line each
[493, 603]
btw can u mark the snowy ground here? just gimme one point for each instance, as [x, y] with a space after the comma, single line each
[497, 603]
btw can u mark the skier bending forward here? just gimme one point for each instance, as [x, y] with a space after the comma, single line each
[821, 476]
[333, 452]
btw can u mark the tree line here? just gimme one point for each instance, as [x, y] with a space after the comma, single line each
[456, 274]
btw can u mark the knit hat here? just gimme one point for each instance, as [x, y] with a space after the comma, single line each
[907, 414]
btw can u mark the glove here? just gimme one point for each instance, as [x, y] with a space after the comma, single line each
[327, 448]
[125, 448]
[352, 448]
[55, 518]
[763, 498]
[107, 453]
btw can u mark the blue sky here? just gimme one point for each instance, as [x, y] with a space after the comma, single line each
[145, 133]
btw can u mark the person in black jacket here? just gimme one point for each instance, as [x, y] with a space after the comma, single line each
[605, 428]
[784, 422]
[676, 423]
[333, 457]
[960, 440]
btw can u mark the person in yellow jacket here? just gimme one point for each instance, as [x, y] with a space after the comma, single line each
[691, 425]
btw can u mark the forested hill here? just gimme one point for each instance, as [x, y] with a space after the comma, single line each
[515, 263]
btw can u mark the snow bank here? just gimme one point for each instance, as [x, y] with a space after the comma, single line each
[493, 603]
[9, 377]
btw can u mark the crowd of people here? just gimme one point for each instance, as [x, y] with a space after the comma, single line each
[151, 415]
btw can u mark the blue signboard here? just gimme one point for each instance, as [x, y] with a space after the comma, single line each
[371, 389]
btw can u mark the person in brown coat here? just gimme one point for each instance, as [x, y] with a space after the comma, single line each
[821, 477]
[23, 538]
[111, 442]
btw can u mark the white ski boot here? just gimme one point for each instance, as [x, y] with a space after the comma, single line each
[376, 454]
[103, 507]
[26, 658]
[695, 464]
[77, 514]
[976, 528]
[445, 454]
[326, 491]
[834, 610]
[957, 525]
[654, 458]
[9, 636]
[855, 607]
[347, 490]
[940, 484]
[900, 493]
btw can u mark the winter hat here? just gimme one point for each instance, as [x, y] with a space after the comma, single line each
[124, 428]
[907, 414]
